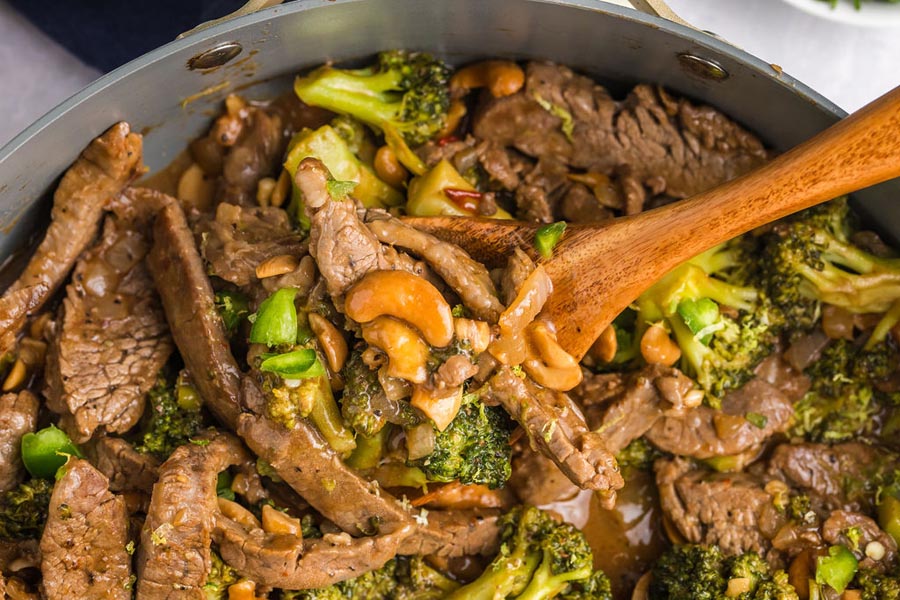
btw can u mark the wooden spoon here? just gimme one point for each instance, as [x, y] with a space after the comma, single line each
[599, 269]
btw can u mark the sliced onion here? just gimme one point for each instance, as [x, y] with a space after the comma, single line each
[420, 441]
[529, 301]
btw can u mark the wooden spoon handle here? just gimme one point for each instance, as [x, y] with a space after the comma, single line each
[861, 150]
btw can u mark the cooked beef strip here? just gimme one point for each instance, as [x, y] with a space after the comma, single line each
[292, 563]
[193, 319]
[103, 169]
[518, 267]
[780, 374]
[18, 416]
[834, 477]
[173, 558]
[454, 533]
[731, 510]
[255, 155]
[537, 480]
[126, 468]
[705, 432]
[468, 278]
[238, 239]
[627, 411]
[835, 531]
[344, 248]
[668, 144]
[306, 462]
[83, 552]
[111, 338]
[542, 188]
[556, 427]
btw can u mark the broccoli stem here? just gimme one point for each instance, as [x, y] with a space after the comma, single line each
[545, 585]
[500, 580]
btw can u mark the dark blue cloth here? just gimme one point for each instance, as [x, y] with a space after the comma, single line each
[109, 33]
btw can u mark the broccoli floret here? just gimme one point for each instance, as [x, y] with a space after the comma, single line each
[720, 347]
[694, 572]
[311, 397]
[841, 403]
[809, 259]
[326, 144]
[401, 578]
[406, 91]
[878, 586]
[539, 559]
[171, 419]
[474, 448]
[220, 577]
[23, 510]
[638, 454]
[361, 387]
[233, 307]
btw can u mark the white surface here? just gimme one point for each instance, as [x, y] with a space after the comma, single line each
[849, 64]
[872, 14]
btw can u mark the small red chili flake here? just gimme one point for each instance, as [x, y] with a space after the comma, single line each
[447, 140]
[465, 199]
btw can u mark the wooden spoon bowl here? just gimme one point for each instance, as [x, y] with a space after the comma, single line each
[599, 269]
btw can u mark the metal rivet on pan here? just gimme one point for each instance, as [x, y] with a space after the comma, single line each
[702, 67]
[215, 56]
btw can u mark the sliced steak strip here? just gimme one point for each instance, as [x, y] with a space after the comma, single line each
[732, 511]
[836, 528]
[83, 551]
[468, 278]
[126, 468]
[667, 144]
[18, 416]
[308, 464]
[623, 409]
[342, 245]
[189, 304]
[748, 417]
[111, 339]
[253, 156]
[453, 533]
[292, 563]
[238, 239]
[834, 477]
[305, 461]
[174, 556]
[103, 169]
[556, 427]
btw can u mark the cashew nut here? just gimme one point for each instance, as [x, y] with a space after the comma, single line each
[477, 333]
[16, 376]
[277, 265]
[281, 190]
[238, 513]
[275, 521]
[195, 188]
[388, 168]
[548, 364]
[405, 296]
[606, 345]
[657, 347]
[242, 590]
[500, 77]
[406, 351]
[264, 190]
[439, 405]
[330, 339]
[455, 114]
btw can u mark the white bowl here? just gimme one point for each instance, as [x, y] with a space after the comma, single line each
[872, 13]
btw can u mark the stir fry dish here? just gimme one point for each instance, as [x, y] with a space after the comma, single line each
[247, 376]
